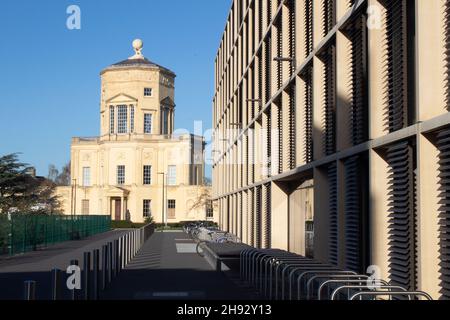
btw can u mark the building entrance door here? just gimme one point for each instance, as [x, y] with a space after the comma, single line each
[118, 209]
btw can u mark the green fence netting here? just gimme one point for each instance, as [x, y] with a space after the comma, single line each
[21, 233]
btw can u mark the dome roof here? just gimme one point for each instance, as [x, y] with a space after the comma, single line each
[137, 61]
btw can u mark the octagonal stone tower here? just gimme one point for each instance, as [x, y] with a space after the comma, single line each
[137, 98]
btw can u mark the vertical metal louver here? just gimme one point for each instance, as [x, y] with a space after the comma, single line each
[268, 217]
[333, 213]
[447, 51]
[443, 145]
[292, 128]
[402, 224]
[357, 34]
[329, 99]
[269, 142]
[308, 23]
[269, 11]
[260, 83]
[280, 138]
[252, 103]
[353, 217]
[328, 15]
[279, 35]
[251, 224]
[260, 20]
[396, 84]
[258, 217]
[268, 64]
[292, 34]
[308, 112]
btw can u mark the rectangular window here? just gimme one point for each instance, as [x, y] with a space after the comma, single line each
[147, 175]
[122, 119]
[147, 123]
[171, 204]
[111, 120]
[85, 207]
[120, 175]
[86, 177]
[147, 211]
[209, 210]
[165, 121]
[148, 92]
[172, 175]
[132, 119]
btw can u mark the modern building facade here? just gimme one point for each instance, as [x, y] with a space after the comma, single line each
[332, 133]
[137, 167]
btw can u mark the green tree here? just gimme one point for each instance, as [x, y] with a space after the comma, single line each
[13, 181]
[25, 193]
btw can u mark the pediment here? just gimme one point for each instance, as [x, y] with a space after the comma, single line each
[121, 98]
[114, 191]
[168, 102]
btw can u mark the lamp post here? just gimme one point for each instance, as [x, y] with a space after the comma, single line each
[74, 196]
[163, 200]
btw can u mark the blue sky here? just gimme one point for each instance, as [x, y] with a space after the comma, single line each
[50, 85]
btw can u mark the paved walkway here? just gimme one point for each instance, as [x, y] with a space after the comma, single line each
[167, 267]
[37, 265]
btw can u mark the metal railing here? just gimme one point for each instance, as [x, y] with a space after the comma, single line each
[20, 233]
[99, 268]
[282, 275]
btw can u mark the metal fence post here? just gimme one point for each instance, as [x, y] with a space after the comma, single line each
[73, 292]
[29, 290]
[110, 262]
[104, 266]
[56, 283]
[116, 258]
[86, 274]
[96, 269]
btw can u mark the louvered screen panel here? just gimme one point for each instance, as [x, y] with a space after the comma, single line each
[328, 15]
[279, 39]
[260, 20]
[447, 51]
[260, 83]
[292, 128]
[308, 23]
[443, 144]
[258, 217]
[252, 222]
[329, 98]
[333, 214]
[401, 211]
[268, 217]
[280, 138]
[396, 60]
[353, 214]
[269, 142]
[358, 96]
[308, 110]
[292, 34]
[269, 11]
[268, 64]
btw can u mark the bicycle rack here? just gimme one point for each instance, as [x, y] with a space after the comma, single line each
[271, 270]
[306, 265]
[318, 267]
[328, 273]
[392, 293]
[327, 283]
[310, 283]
